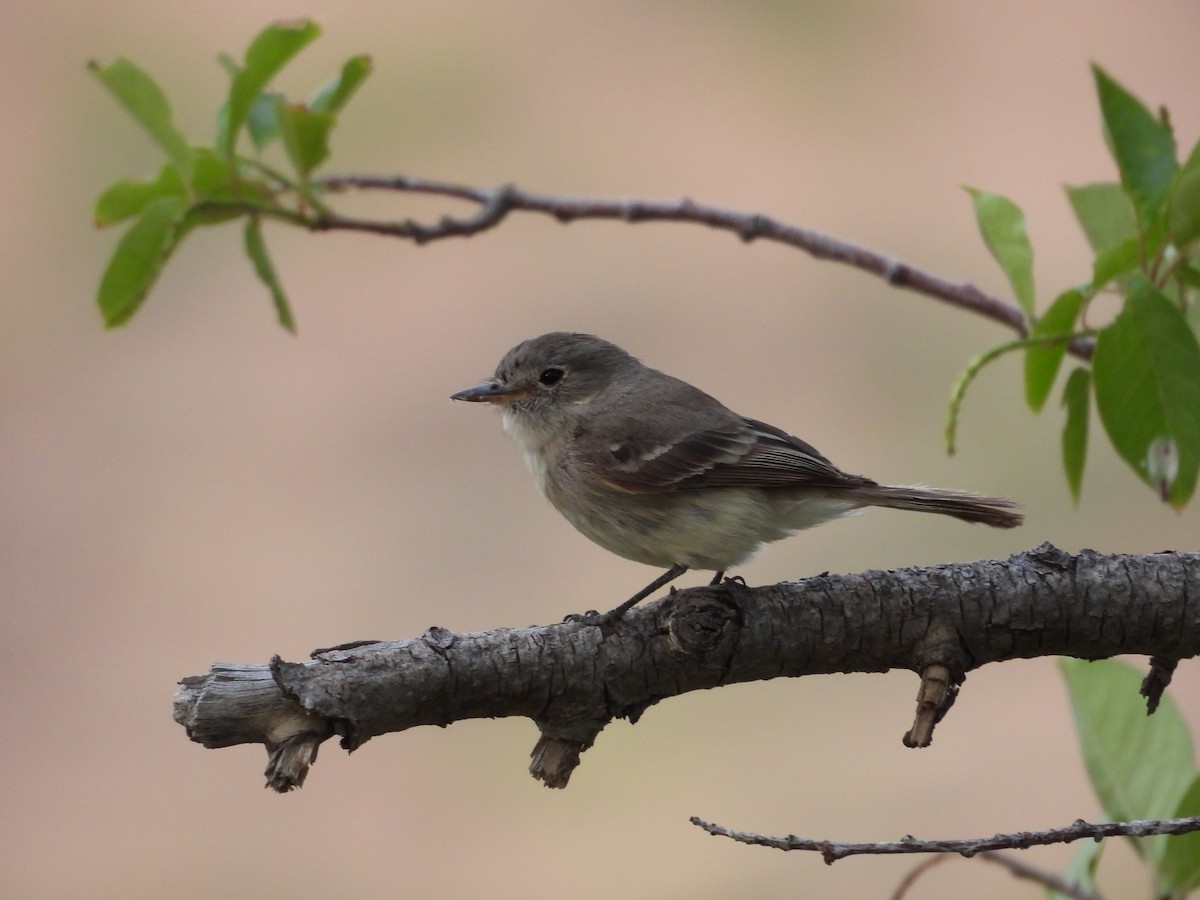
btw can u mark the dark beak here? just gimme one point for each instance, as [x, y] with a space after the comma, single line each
[489, 392]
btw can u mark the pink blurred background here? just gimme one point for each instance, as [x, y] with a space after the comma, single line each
[200, 486]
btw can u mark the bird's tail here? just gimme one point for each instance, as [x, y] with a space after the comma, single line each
[999, 512]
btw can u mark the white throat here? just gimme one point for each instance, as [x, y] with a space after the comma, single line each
[526, 434]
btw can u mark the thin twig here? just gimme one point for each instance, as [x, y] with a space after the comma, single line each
[1016, 866]
[496, 203]
[832, 851]
[1021, 869]
[914, 874]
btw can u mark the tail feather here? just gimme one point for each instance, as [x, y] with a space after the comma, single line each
[995, 511]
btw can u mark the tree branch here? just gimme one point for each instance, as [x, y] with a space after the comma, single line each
[496, 203]
[832, 851]
[1052, 880]
[1016, 866]
[573, 679]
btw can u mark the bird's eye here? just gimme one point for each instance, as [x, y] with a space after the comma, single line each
[550, 377]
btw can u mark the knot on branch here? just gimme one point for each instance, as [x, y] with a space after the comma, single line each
[702, 623]
[552, 760]
[289, 760]
[698, 627]
[1156, 681]
[943, 662]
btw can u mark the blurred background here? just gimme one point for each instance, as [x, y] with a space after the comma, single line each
[201, 486]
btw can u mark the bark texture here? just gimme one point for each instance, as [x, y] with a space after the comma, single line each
[572, 679]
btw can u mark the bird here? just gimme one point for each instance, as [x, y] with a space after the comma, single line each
[657, 471]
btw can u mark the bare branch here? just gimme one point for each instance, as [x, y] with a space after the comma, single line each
[572, 679]
[1052, 880]
[912, 877]
[1015, 865]
[496, 203]
[832, 851]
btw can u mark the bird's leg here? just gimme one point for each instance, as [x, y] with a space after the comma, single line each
[614, 615]
[720, 578]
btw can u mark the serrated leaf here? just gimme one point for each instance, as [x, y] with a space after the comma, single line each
[1146, 371]
[305, 135]
[1141, 144]
[1180, 866]
[1184, 209]
[128, 197]
[146, 102]
[268, 53]
[1002, 225]
[1104, 213]
[1140, 766]
[139, 257]
[1077, 393]
[334, 94]
[1042, 361]
[256, 249]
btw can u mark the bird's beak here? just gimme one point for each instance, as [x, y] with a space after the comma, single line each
[488, 392]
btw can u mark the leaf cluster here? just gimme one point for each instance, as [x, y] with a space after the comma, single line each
[210, 185]
[1144, 368]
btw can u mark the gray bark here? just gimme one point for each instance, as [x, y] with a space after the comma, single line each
[572, 679]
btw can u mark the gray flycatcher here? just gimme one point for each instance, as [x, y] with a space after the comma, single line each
[657, 471]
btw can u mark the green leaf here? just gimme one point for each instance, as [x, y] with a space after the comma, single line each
[1140, 766]
[229, 64]
[268, 53]
[1141, 144]
[1184, 210]
[1180, 866]
[1003, 227]
[1077, 394]
[1081, 871]
[139, 94]
[958, 391]
[1042, 360]
[140, 255]
[256, 249]
[263, 122]
[1147, 376]
[1104, 212]
[1189, 274]
[226, 193]
[211, 174]
[1193, 318]
[1115, 263]
[334, 94]
[305, 135]
[128, 197]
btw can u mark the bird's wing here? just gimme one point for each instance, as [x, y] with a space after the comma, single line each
[737, 453]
